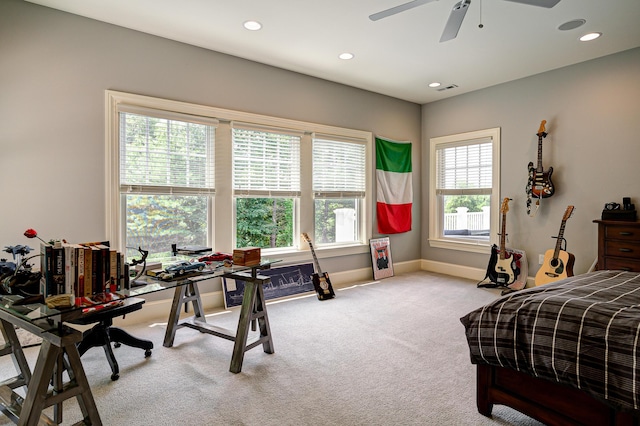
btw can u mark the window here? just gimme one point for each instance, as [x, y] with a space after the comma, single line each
[339, 188]
[188, 174]
[166, 180]
[464, 190]
[266, 186]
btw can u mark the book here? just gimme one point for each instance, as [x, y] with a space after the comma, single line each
[79, 290]
[58, 269]
[88, 272]
[121, 273]
[193, 249]
[154, 272]
[95, 270]
[47, 286]
[113, 270]
[104, 268]
[69, 268]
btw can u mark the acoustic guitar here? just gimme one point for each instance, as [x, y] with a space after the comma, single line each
[557, 264]
[503, 268]
[541, 184]
[321, 282]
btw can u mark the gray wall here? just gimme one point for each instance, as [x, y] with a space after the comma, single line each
[54, 69]
[593, 119]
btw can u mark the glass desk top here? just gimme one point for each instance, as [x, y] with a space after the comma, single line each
[15, 305]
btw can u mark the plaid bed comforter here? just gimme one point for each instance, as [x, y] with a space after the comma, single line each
[583, 331]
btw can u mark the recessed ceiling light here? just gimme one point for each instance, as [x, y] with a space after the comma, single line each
[571, 25]
[346, 56]
[590, 36]
[252, 25]
[434, 84]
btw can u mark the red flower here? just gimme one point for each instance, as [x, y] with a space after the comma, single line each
[31, 233]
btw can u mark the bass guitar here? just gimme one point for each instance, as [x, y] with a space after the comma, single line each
[540, 180]
[503, 266]
[321, 282]
[557, 264]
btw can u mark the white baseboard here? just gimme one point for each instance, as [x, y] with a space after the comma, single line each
[468, 272]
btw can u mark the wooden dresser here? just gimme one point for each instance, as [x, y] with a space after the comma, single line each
[618, 245]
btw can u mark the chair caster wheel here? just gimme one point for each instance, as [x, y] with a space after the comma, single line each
[115, 377]
[147, 353]
[117, 345]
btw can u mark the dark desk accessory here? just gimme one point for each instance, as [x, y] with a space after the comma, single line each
[612, 211]
[18, 277]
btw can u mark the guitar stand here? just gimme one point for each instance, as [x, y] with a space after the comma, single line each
[562, 241]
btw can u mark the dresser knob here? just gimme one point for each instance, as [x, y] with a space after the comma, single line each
[626, 234]
[625, 250]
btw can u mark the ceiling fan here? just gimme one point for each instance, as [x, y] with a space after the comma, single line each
[457, 13]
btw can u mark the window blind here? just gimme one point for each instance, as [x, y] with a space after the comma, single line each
[465, 168]
[157, 152]
[338, 168]
[265, 162]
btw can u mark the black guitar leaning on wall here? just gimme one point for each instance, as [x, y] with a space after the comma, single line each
[503, 264]
[321, 282]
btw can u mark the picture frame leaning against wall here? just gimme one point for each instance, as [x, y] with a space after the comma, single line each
[381, 261]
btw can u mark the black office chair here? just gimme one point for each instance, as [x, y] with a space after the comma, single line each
[103, 333]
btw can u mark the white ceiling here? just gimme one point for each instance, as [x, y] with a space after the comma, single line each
[396, 56]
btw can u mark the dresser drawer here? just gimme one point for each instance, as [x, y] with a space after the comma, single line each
[618, 245]
[622, 249]
[623, 264]
[622, 232]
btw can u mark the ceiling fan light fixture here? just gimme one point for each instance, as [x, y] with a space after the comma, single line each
[434, 84]
[541, 3]
[346, 56]
[252, 25]
[590, 36]
[455, 20]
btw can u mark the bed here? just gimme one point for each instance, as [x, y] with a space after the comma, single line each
[565, 353]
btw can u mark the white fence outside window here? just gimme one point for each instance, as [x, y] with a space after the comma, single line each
[463, 219]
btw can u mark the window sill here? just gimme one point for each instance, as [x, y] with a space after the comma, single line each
[299, 256]
[468, 246]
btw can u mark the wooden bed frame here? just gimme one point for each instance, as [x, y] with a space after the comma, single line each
[549, 402]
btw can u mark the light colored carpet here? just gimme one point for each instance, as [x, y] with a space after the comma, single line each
[386, 353]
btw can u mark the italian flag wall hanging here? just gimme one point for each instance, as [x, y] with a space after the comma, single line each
[395, 192]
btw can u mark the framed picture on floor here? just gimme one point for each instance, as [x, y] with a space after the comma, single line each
[381, 258]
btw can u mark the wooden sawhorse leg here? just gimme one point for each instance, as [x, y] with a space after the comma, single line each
[50, 365]
[253, 308]
[9, 401]
[182, 295]
[13, 347]
[58, 352]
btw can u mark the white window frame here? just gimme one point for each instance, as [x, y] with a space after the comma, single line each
[436, 209]
[223, 238]
[359, 196]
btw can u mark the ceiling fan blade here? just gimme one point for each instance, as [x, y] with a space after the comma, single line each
[541, 3]
[398, 9]
[455, 20]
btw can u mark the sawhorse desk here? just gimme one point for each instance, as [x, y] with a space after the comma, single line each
[58, 352]
[253, 309]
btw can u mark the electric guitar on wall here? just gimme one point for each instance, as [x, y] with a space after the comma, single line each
[540, 180]
[557, 264]
[503, 266]
[321, 282]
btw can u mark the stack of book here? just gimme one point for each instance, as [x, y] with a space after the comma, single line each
[81, 269]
